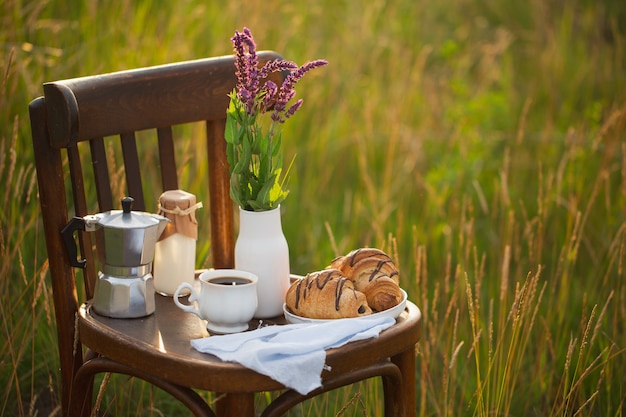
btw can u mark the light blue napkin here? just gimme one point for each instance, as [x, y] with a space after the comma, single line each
[293, 354]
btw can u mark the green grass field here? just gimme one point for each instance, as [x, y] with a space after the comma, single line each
[481, 142]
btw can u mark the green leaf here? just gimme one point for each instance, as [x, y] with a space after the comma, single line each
[264, 193]
[277, 194]
[230, 156]
[286, 176]
[232, 129]
[278, 140]
[244, 159]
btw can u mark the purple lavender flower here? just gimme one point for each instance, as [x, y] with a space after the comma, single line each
[249, 79]
[294, 108]
[270, 91]
[246, 65]
[287, 90]
[276, 65]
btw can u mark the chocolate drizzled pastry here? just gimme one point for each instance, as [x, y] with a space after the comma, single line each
[377, 261]
[326, 294]
[374, 273]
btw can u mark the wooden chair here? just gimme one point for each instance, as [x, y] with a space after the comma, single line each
[86, 114]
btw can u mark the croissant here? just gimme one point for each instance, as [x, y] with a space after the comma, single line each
[348, 264]
[374, 273]
[326, 294]
[382, 293]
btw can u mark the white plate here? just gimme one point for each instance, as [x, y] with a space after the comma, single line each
[392, 312]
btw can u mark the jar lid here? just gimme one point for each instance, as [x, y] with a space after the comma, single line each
[180, 207]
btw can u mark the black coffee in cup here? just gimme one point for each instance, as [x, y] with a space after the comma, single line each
[229, 281]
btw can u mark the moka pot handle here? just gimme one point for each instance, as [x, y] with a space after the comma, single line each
[77, 223]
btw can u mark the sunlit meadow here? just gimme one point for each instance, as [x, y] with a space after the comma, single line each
[481, 142]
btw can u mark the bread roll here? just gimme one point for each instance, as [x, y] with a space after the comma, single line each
[326, 294]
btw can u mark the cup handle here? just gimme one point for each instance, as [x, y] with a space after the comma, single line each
[193, 296]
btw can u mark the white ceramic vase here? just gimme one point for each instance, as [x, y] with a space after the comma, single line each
[262, 249]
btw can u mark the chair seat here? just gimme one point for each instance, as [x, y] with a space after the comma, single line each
[164, 336]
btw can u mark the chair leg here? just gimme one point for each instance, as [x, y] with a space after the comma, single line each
[389, 371]
[393, 390]
[406, 363]
[81, 392]
[86, 373]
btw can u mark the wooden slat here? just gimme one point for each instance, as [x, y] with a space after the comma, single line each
[101, 174]
[133, 171]
[81, 209]
[169, 177]
[221, 204]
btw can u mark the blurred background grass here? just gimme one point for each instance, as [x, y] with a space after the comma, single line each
[481, 142]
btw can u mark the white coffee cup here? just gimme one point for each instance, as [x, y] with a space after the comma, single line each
[227, 299]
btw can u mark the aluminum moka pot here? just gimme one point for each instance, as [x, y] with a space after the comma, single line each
[125, 243]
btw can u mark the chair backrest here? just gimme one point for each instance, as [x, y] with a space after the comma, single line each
[90, 113]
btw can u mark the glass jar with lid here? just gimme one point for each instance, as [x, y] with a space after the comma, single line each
[175, 252]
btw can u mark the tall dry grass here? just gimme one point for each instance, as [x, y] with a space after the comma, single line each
[479, 142]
